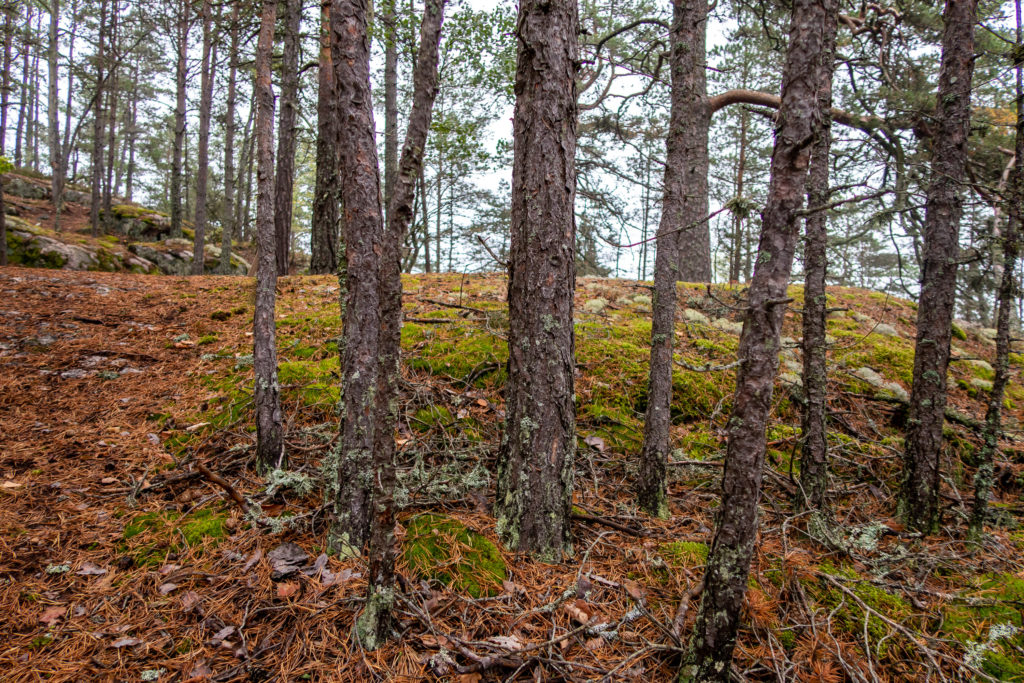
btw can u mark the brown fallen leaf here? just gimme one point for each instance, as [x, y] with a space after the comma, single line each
[287, 589]
[580, 611]
[634, 590]
[125, 642]
[51, 615]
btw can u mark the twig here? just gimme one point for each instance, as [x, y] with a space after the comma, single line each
[607, 522]
[224, 484]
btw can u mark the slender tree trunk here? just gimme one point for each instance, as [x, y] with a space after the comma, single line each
[374, 623]
[113, 90]
[683, 204]
[694, 245]
[390, 103]
[286, 134]
[535, 464]
[203, 151]
[180, 79]
[245, 177]
[33, 121]
[324, 230]
[228, 210]
[919, 496]
[799, 125]
[26, 53]
[132, 132]
[1009, 291]
[737, 234]
[5, 84]
[99, 124]
[426, 223]
[269, 430]
[814, 445]
[56, 155]
[359, 278]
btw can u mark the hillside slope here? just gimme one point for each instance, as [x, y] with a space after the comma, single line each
[126, 428]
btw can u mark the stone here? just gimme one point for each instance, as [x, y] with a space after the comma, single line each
[872, 377]
[694, 316]
[728, 326]
[886, 329]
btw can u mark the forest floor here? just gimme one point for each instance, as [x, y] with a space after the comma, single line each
[138, 543]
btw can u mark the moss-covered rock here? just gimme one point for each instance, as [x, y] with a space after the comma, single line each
[441, 548]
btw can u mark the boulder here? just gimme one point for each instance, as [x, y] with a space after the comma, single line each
[26, 188]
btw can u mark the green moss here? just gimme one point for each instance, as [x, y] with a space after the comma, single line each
[220, 315]
[207, 339]
[997, 599]
[850, 615]
[308, 372]
[685, 554]
[442, 549]
[432, 416]
[891, 357]
[459, 352]
[150, 536]
[958, 333]
[699, 443]
[22, 252]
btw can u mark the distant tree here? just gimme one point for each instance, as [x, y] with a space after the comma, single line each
[203, 148]
[285, 181]
[324, 230]
[228, 220]
[182, 26]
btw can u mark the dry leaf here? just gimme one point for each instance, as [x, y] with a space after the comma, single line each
[580, 611]
[91, 569]
[508, 642]
[287, 589]
[51, 615]
[470, 678]
[634, 590]
[125, 642]
[595, 643]
[10, 485]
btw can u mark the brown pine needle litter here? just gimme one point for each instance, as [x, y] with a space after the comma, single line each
[125, 554]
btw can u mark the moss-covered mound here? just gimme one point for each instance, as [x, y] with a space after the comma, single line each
[440, 548]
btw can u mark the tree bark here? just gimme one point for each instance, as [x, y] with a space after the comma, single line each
[269, 430]
[99, 123]
[1008, 292]
[203, 150]
[56, 156]
[390, 103]
[919, 494]
[374, 623]
[359, 278]
[26, 40]
[227, 220]
[324, 231]
[180, 77]
[694, 243]
[5, 84]
[535, 463]
[814, 445]
[799, 124]
[286, 134]
[113, 91]
[684, 203]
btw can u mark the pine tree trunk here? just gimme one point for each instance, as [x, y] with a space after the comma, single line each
[814, 446]
[26, 40]
[5, 84]
[694, 242]
[390, 103]
[799, 124]
[269, 430]
[203, 151]
[535, 464]
[99, 124]
[919, 495]
[360, 276]
[286, 134]
[180, 78]
[228, 209]
[374, 623]
[56, 156]
[684, 203]
[133, 122]
[113, 91]
[324, 230]
[1008, 292]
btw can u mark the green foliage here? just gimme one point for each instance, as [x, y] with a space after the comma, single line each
[432, 416]
[685, 554]
[442, 549]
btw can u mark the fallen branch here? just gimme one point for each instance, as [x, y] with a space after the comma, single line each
[224, 484]
[592, 519]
